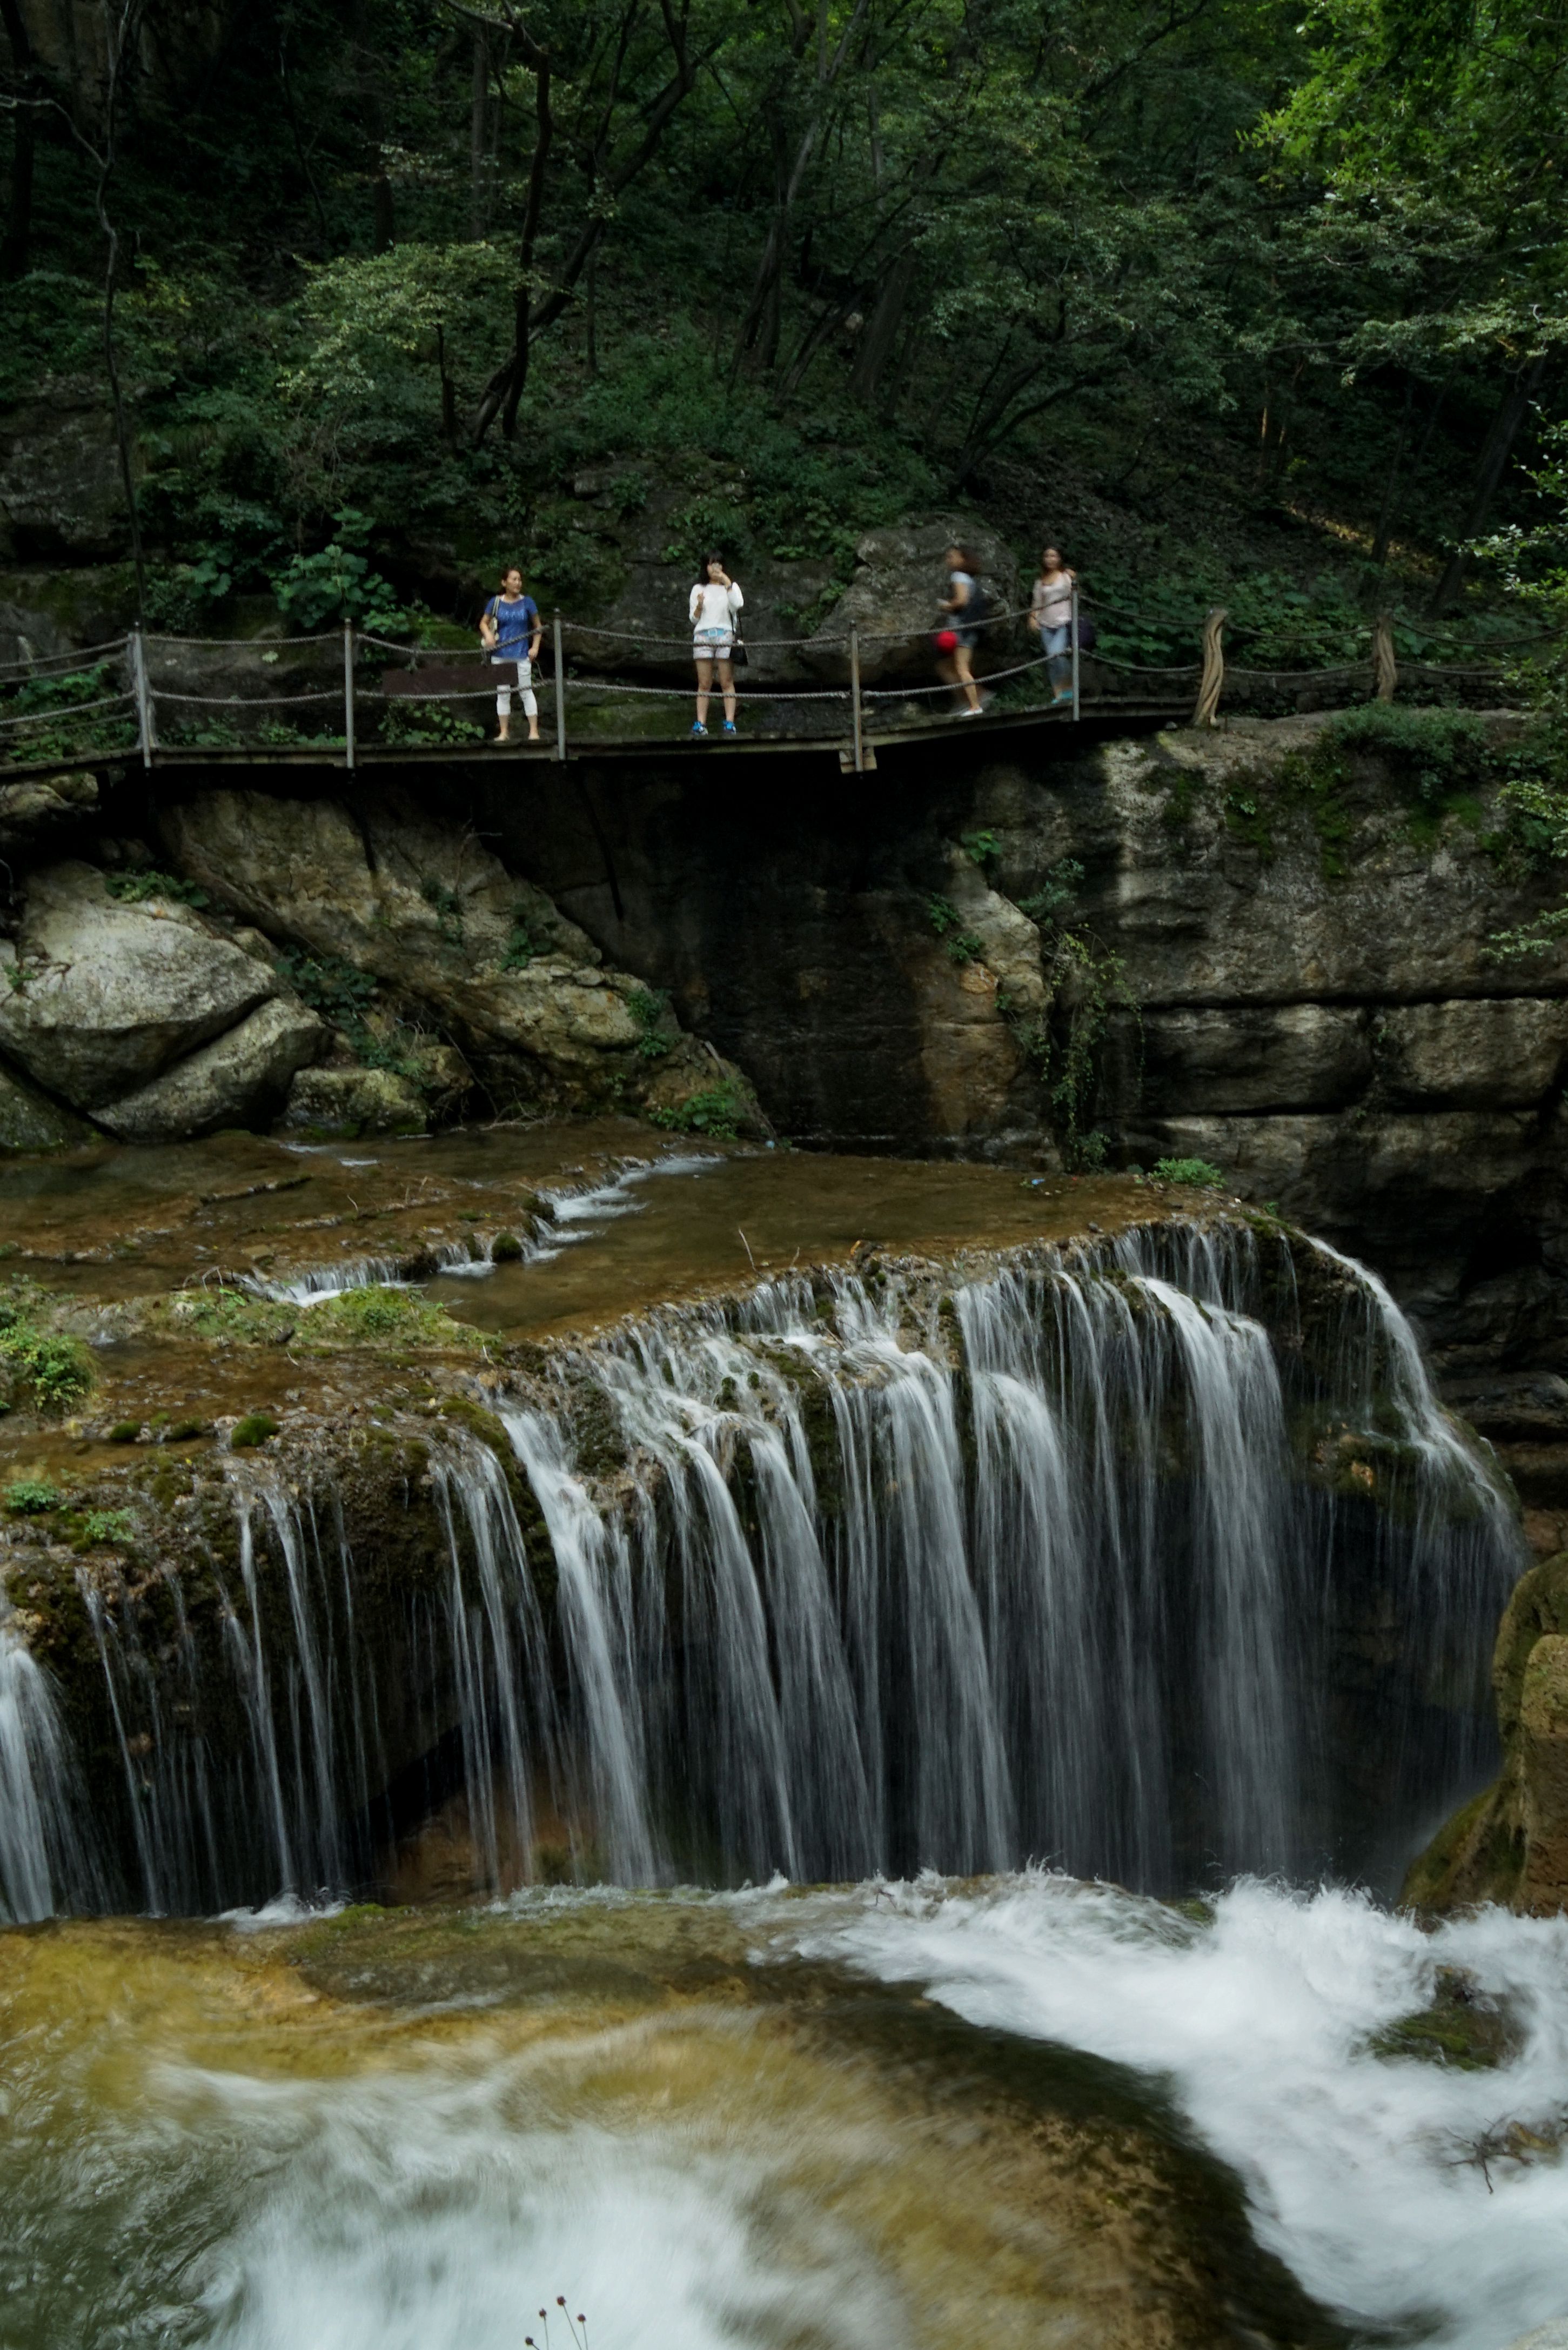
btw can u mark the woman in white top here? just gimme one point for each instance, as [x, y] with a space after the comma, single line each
[1050, 613]
[715, 601]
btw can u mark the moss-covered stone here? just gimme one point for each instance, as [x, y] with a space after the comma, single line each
[1509, 1844]
[29, 1120]
[1460, 2026]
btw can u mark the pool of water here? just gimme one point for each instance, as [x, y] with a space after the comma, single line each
[414, 2130]
[1013, 2111]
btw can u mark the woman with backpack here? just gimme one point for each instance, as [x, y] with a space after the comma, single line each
[714, 602]
[966, 605]
[1050, 616]
[511, 632]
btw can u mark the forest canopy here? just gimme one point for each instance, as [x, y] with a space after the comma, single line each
[1232, 294]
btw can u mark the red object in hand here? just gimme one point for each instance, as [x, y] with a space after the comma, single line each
[946, 640]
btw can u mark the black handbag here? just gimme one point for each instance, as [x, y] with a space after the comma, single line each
[738, 653]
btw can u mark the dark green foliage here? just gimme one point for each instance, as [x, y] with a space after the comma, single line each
[962, 946]
[255, 1428]
[1196, 1174]
[649, 1007]
[338, 583]
[1212, 267]
[54, 717]
[135, 887]
[48, 1372]
[330, 986]
[29, 1497]
[716, 1110]
[1436, 755]
[1062, 884]
[447, 907]
[106, 1526]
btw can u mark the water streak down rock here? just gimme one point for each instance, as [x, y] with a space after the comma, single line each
[1156, 1559]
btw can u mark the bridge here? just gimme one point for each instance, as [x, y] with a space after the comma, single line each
[350, 698]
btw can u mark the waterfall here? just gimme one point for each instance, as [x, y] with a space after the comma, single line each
[1156, 1561]
[257, 1764]
[44, 1864]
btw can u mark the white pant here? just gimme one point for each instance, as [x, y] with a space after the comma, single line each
[525, 669]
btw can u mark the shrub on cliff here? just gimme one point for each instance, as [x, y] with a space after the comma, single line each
[36, 1367]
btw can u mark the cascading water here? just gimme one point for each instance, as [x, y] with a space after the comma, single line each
[46, 1863]
[1052, 1563]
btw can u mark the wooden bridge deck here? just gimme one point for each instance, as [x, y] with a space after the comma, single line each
[601, 749]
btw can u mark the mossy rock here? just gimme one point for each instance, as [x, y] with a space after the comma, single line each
[1460, 2027]
[29, 1120]
[1539, 1608]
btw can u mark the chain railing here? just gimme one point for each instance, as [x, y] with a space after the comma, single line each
[354, 695]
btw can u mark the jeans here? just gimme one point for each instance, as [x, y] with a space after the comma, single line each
[1057, 643]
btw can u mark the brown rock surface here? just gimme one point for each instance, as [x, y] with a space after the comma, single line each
[1509, 1844]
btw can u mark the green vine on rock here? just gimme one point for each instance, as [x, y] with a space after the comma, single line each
[1088, 986]
[649, 1007]
[717, 1111]
[135, 887]
[962, 946]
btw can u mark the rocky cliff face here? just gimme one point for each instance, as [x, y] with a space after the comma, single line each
[1511, 1844]
[1191, 945]
[343, 969]
[1214, 946]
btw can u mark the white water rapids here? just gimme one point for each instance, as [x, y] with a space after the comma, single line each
[1385, 2185]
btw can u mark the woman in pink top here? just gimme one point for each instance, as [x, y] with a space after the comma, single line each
[1050, 616]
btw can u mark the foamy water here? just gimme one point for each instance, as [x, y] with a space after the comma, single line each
[1384, 2185]
[425, 2213]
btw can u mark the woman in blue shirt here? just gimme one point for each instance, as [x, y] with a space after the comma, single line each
[511, 632]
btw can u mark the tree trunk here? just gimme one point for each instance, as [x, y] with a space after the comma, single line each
[881, 335]
[478, 136]
[591, 313]
[1385, 515]
[19, 211]
[1511, 414]
[383, 223]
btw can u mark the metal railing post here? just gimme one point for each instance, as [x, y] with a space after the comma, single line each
[1078, 713]
[855, 697]
[349, 693]
[146, 730]
[560, 693]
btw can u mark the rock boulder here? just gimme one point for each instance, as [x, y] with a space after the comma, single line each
[239, 1079]
[467, 948]
[1511, 1844]
[98, 996]
[899, 581]
[30, 1121]
[351, 1101]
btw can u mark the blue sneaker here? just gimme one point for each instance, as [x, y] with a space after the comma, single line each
[700, 729]
[729, 725]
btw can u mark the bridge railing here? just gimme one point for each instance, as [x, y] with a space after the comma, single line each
[353, 695]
